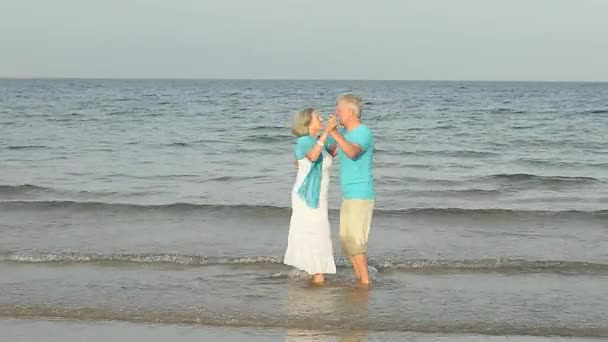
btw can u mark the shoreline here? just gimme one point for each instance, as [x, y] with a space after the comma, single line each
[17, 330]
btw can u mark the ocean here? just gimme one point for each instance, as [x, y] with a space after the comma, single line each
[159, 209]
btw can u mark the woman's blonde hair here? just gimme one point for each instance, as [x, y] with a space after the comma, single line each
[301, 122]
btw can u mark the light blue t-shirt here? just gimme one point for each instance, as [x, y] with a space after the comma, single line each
[306, 143]
[356, 177]
[303, 146]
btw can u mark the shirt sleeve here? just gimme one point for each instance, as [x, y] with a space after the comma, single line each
[362, 137]
[303, 146]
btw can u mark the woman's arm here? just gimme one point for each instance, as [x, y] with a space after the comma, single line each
[315, 152]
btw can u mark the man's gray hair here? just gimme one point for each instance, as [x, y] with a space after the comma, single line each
[353, 101]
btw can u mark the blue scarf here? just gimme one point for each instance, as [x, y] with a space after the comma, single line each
[310, 189]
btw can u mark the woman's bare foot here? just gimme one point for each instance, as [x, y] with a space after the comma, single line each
[318, 279]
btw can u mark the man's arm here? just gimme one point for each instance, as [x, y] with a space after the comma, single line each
[350, 149]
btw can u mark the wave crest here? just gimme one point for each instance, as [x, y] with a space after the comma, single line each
[382, 265]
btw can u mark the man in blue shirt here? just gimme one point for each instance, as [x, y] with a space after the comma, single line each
[355, 143]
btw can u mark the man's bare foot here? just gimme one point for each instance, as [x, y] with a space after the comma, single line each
[364, 286]
[318, 279]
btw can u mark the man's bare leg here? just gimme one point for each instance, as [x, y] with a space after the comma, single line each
[355, 268]
[360, 260]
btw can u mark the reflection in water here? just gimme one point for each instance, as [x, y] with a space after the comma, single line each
[326, 313]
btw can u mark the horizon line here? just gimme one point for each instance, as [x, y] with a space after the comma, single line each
[287, 79]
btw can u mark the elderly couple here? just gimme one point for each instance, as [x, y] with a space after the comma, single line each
[309, 244]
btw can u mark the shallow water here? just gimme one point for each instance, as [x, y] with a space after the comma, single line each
[61, 330]
[168, 202]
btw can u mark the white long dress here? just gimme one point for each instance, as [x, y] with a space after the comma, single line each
[309, 244]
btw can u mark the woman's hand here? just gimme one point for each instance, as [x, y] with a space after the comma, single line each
[332, 124]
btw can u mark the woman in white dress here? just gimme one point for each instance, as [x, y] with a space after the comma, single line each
[309, 246]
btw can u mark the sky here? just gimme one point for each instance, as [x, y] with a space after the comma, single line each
[535, 40]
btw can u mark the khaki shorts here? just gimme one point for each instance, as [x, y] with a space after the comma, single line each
[355, 222]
